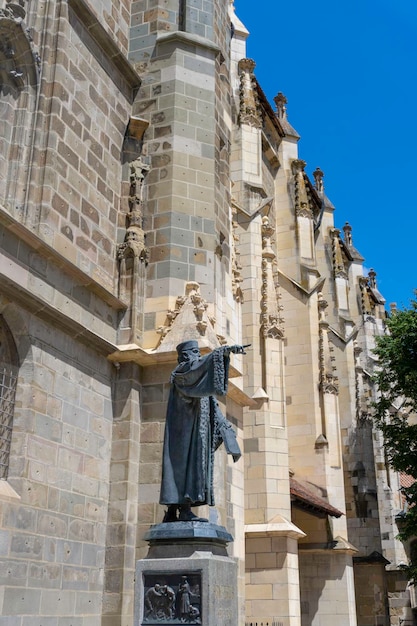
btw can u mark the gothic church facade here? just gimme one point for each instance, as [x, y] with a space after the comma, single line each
[150, 193]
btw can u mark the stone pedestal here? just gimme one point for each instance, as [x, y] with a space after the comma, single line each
[187, 577]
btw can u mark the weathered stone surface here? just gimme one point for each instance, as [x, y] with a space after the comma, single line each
[215, 575]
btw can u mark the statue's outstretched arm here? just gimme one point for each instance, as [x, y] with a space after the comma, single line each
[237, 349]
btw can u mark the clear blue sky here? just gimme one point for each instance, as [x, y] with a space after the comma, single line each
[349, 71]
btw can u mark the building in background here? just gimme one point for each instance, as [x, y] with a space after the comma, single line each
[149, 193]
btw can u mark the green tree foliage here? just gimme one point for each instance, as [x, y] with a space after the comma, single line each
[396, 408]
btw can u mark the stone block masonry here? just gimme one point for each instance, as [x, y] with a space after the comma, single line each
[180, 51]
[55, 527]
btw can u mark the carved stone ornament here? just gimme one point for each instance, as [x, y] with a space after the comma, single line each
[372, 279]
[134, 241]
[281, 104]
[272, 322]
[172, 598]
[339, 268]
[329, 384]
[347, 229]
[249, 112]
[302, 195]
[366, 302]
[318, 178]
[14, 10]
[199, 308]
[189, 320]
[236, 265]
[133, 256]
[357, 351]
[18, 61]
[328, 380]
[133, 245]
[362, 390]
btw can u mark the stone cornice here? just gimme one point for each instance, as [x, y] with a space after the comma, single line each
[55, 316]
[150, 358]
[187, 38]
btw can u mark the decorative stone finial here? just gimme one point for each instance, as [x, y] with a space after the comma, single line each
[318, 177]
[246, 65]
[393, 307]
[347, 229]
[357, 350]
[298, 166]
[281, 102]
[372, 278]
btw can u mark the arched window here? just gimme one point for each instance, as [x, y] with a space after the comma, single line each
[9, 366]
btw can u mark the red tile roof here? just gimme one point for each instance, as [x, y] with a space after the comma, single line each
[308, 500]
[406, 480]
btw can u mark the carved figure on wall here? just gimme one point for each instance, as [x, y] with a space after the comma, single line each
[184, 599]
[167, 602]
[193, 614]
[160, 602]
[174, 598]
[152, 600]
[186, 611]
[194, 429]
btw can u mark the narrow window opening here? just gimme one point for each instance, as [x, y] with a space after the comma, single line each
[8, 383]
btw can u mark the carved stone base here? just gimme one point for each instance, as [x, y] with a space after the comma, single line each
[176, 584]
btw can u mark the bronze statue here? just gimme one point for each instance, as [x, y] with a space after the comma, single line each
[194, 429]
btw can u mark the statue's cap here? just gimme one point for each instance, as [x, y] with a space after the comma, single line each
[187, 345]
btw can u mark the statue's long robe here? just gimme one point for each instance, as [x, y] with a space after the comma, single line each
[192, 429]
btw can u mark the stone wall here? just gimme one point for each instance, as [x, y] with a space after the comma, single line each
[73, 137]
[323, 597]
[54, 522]
[184, 96]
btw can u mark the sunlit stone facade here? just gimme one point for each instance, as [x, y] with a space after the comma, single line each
[149, 193]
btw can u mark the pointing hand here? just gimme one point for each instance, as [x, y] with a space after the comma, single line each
[239, 349]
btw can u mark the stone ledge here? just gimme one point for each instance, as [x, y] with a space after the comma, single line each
[147, 357]
[277, 527]
[44, 310]
[33, 241]
[187, 38]
[7, 492]
[133, 353]
[339, 544]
